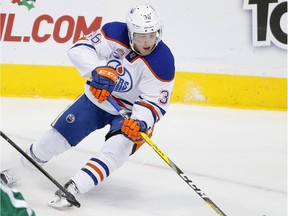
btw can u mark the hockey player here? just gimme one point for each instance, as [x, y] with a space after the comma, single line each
[138, 74]
[13, 202]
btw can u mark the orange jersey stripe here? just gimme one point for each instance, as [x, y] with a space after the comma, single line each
[151, 108]
[119, 102]
[82, 38]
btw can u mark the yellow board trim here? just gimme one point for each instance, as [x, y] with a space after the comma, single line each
[238, 91]
[252, 92]
[40, 81]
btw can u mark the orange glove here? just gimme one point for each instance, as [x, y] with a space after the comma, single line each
[132, 128]
[103, 82]
[100, 94]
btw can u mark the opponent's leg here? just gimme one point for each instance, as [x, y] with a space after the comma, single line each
[52, 143]
[75, 123]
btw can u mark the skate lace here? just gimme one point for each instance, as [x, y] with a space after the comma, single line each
[71, 187]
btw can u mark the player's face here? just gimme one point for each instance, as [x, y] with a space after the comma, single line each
[144, 42]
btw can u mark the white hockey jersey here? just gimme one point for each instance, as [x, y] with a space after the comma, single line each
[144, 84]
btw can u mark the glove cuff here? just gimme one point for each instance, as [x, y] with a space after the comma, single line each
[108, 72]
[143, 126]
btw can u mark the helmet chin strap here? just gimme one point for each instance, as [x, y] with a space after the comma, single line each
[135, 50]
[139, 53]
[132, 45]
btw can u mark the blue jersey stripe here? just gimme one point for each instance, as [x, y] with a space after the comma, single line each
[163, 112]
[84, 44]
[153, 114]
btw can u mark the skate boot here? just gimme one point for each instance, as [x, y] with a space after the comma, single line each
[9, 176]
[61, 200]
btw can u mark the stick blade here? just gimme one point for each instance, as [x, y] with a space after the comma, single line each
[72, 200]
[63, 202]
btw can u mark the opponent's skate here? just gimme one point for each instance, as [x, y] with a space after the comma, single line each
[60, 200]
[9, 176]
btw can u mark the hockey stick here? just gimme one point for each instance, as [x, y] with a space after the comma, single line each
[70, 197]
[169, 162]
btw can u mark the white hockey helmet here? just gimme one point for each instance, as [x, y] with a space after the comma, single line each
[143, 19]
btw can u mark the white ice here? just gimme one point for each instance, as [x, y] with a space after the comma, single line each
[237, 157]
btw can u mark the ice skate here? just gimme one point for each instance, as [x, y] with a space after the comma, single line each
[60, 200]
[9, 176]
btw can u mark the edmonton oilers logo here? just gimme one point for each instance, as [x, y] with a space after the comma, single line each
[70, 118]
[124, 81]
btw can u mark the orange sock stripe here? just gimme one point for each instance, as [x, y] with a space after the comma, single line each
[97, 170]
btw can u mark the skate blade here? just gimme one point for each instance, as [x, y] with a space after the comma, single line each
[59, 203]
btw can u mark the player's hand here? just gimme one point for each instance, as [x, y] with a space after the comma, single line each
[103, 82]
[132, 128]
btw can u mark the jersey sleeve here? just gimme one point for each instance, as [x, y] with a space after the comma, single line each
[92, 50]
[151, 106]
[86, 54]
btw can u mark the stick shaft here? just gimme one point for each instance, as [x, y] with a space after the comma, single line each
[70, 196]
[182, 175]
[169, 162]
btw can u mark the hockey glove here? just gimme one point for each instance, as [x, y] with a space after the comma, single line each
[103, 82]
[132, 128]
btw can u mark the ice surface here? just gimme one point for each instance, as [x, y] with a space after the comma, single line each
[237, 157]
